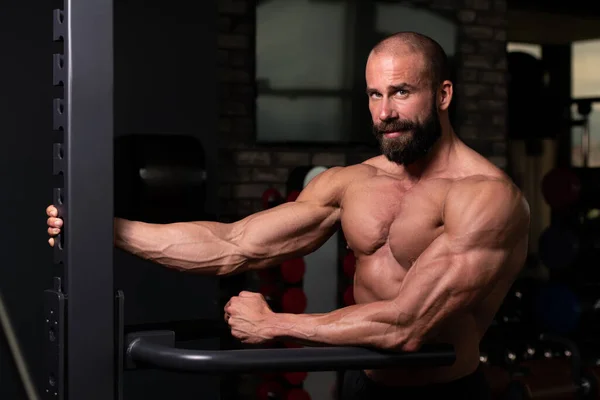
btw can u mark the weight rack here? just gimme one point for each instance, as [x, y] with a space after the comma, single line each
[80, 308]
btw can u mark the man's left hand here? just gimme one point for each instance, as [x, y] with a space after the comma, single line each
[249, 317]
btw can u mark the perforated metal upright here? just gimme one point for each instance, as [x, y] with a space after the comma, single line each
[79, 310]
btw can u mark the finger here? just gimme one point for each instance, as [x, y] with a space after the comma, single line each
[51, 242]
[53, 231]
[51, 211]
[247, 294]
[55, 222]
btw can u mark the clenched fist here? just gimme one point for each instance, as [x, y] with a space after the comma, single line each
[249, 317]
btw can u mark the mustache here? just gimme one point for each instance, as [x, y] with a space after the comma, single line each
[394, 126]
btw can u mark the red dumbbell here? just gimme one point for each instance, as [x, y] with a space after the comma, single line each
[295, 378]
[293, 301]
[292, 271]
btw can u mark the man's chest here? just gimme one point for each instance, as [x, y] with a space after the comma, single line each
[384, 214]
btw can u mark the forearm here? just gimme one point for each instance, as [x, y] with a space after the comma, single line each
[200, 247]
[369, 325]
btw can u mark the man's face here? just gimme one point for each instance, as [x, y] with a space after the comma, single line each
[403, 106]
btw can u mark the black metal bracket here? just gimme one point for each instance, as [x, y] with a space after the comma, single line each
[54, 313]
[55, 308]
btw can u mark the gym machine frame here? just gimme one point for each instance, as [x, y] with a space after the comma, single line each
[85, 347]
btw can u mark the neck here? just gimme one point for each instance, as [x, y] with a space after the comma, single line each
[438, 157]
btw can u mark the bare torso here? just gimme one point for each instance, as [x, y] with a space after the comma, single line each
[388, 222]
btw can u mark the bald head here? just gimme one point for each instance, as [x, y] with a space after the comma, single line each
[434, 57]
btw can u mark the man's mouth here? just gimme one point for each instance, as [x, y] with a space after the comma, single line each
[393, 134]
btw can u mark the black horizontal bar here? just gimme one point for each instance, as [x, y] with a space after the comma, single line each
[156, 349]
[585, 100]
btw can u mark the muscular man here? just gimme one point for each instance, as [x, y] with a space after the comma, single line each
[438, 231]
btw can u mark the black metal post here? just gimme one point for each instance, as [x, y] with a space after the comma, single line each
[84, 366]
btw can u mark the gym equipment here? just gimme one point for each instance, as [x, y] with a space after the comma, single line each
[293, 301]
[564, 188]
[293, 270]
[561, 188]
[156, 349]
[79, 310]
[295, 378]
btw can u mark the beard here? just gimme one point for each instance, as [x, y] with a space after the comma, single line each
[415, 141]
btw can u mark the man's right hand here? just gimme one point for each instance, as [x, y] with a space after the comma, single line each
[54, 223]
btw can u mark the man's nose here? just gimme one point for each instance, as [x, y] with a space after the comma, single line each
[386, 112]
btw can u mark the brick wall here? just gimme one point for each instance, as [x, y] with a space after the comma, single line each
[248, 169]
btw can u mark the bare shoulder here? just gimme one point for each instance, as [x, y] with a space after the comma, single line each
[342, 176]
[487, 202]
[329, 186]
[478, 182]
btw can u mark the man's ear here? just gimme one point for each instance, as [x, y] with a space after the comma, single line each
[445, 95]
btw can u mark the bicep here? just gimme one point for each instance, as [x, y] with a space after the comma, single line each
[286, 231]
[294, 228]
[447, 278]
